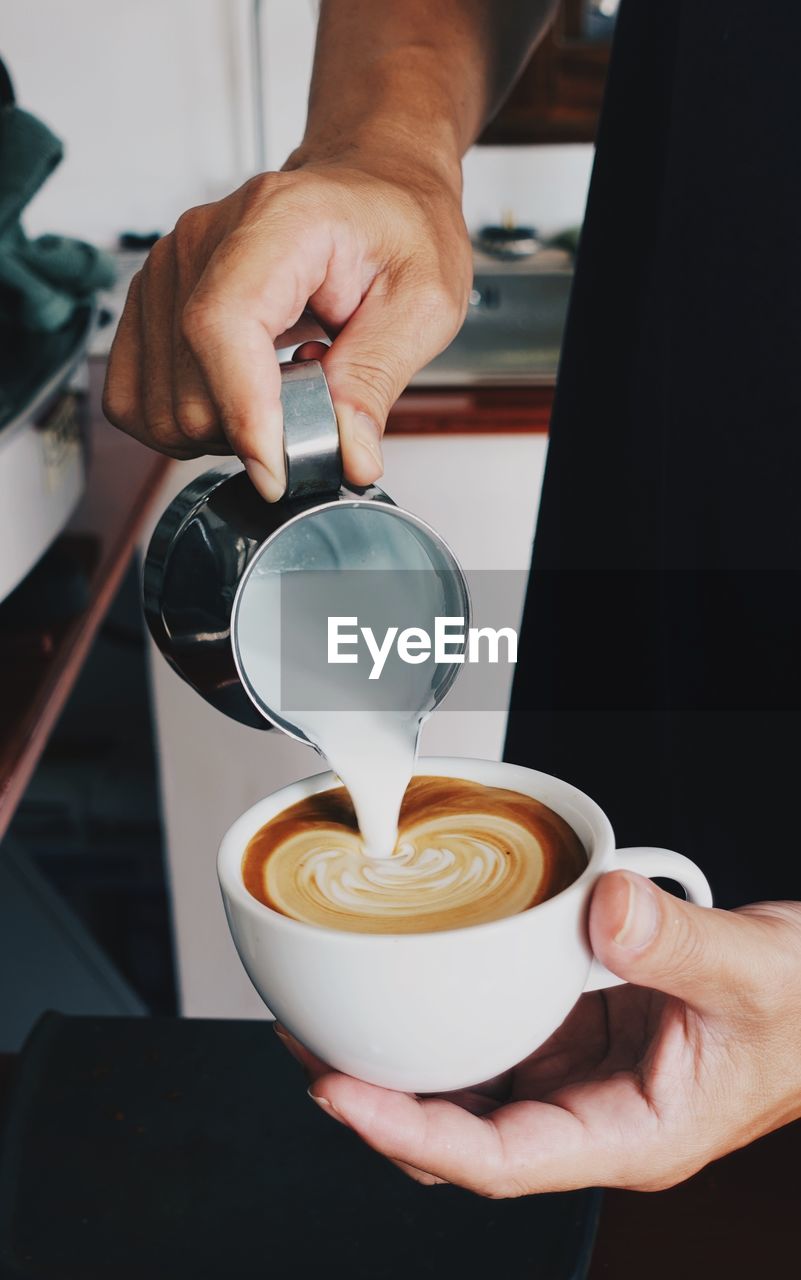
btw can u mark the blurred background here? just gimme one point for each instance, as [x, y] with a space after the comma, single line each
[154, 101]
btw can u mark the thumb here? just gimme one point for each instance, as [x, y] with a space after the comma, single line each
[709, 958]
[387, 339]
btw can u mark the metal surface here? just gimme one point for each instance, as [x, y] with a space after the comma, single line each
[512, 334]
[311, 435]
[217, 527]
[208, 538]
[199, 552]
[306, 329]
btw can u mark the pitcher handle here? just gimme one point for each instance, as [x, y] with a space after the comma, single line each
[311, 434]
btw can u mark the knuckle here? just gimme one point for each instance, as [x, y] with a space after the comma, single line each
[195, 417]
[190, 222]
[188, 240]
[157, 258]
[134, 288]
[162, 430]
[118, 408]
[295, 202]
[262, 185]
[762, 993]
[201, 319]
[437, 302]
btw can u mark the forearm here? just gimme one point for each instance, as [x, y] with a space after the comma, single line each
[412, 76]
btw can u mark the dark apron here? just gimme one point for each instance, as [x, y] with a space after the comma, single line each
[661, 646]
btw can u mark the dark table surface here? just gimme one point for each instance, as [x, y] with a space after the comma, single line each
[187, 1149]
[738, 1218]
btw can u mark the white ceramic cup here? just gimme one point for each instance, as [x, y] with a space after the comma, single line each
[431, 1012]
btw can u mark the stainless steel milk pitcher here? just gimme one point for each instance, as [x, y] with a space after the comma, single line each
[218, 530]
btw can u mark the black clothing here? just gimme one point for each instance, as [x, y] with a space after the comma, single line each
[661, 642]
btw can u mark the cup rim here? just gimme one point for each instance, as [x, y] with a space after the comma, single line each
[233, 843]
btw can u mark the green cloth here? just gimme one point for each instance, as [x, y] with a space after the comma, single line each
[29, 153]
[43, 281]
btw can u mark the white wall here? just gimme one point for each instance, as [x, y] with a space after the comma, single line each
[153, 100]
[141, 92]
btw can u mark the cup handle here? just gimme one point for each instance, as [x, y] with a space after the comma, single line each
[653, 862]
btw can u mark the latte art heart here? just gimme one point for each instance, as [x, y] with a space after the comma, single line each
[466, 854]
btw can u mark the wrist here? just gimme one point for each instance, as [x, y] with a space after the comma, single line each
[384, 154]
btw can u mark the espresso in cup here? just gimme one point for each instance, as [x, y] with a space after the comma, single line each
[466, 854]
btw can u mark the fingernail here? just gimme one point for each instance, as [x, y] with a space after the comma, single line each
[642, 915]
[368, 434]
[263, 479]
[327, 1107]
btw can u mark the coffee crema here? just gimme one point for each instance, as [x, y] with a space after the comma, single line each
[466, 854]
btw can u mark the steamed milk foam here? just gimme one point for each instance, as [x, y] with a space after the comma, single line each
[467, 854]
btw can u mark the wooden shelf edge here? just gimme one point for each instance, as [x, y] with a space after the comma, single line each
[473, 410]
